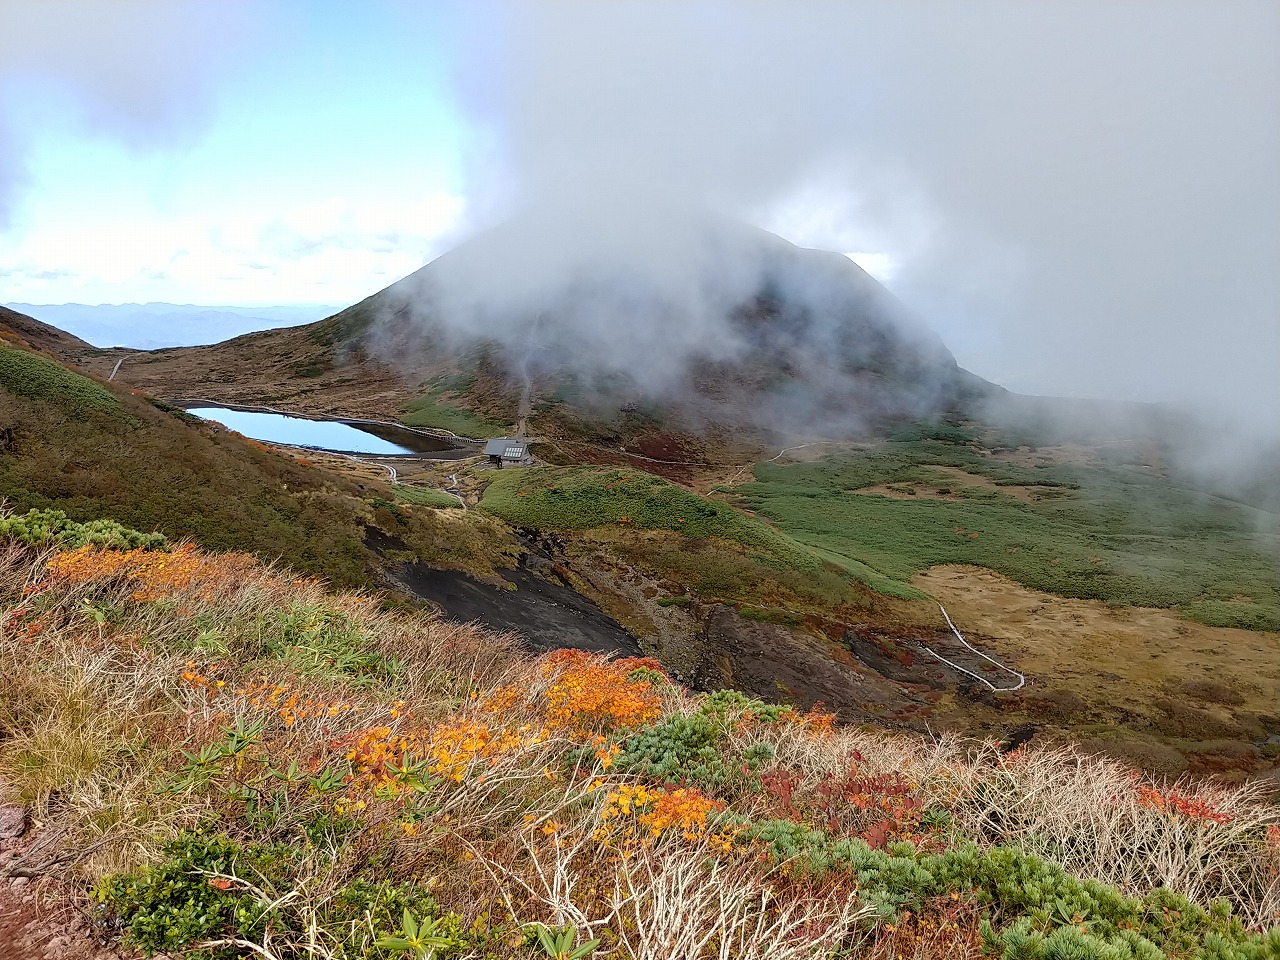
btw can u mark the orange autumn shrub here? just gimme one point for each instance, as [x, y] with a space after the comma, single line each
[157, 573]
[457, 744]
[387, 762]
[590, 694]
[656, 812]
[819, 723]
[377, 754]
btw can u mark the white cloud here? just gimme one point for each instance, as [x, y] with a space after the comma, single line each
[330, 252]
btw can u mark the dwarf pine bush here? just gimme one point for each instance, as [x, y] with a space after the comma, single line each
[1034, 908]
[38, 528]
[680, 748]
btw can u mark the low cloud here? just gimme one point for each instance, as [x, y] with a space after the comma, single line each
[142, 72]
[1080, 198]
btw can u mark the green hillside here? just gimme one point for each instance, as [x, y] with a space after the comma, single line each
[94, 450]
[707, 545]
[1097, 531]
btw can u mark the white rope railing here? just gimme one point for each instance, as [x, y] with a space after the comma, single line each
[1022, 680]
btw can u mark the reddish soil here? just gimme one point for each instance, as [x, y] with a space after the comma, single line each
[37, 919]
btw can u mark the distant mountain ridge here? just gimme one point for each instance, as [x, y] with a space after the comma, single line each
[151, 326]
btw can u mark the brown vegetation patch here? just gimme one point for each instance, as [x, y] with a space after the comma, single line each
[1120, 662]
[1062, 706]
[286, 369]
[1181, 719]
[1212, 691]
[584, 453]
[1050, 456]
[947, 483]
[1157, 758]
[667, 447]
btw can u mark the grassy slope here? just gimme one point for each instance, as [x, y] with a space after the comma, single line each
[425, 497]
[95, 451]
[150, 710]
[567, 498]
[1100, 532]
[711, 547]
[430, 411]
[437, 405]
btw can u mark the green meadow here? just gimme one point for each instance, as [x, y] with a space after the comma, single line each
[568, 498]
[1102, 532]
[709, 545]
[435, 408]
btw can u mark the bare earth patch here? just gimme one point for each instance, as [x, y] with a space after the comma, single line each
[37, 918]
[955, 479]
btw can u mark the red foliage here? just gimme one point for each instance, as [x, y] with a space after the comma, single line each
[878, 808]
[1176, 803]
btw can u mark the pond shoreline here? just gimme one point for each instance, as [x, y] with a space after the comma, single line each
[399, 434]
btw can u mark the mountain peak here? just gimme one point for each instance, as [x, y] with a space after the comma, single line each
[714, 320]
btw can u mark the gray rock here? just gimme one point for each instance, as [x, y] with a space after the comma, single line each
[19, 882]
[13, 821]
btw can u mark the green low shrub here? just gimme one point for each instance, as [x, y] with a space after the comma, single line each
[726, 706]
[210, 887]
[174, 904]
[32, 376]
[430, 412]
[37, 528]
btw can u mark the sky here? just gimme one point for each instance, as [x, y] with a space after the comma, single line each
[1082, 198]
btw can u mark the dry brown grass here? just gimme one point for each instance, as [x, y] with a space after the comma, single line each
[1100, 819]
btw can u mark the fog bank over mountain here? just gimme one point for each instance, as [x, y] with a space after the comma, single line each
[1080, 198]
[710, 319]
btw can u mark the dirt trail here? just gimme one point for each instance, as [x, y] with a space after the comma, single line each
[34, 926]
[37, 918]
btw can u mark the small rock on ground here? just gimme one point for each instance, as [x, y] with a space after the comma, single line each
[13, 821]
